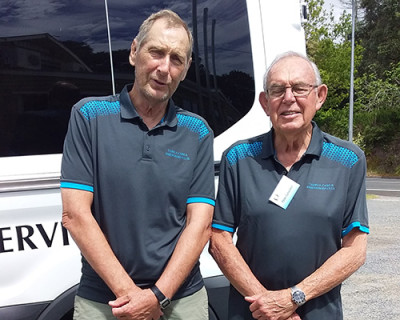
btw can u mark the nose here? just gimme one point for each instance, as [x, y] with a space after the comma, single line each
[163, 65]
[288, 94]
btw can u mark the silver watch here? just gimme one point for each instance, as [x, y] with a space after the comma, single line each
[298, 296]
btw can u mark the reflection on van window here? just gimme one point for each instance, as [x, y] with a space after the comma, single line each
[55, 53]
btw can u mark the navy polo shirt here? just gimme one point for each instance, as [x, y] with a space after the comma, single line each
[282, 247]
[142, 181]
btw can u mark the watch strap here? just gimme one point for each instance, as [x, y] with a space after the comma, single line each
[162, 299]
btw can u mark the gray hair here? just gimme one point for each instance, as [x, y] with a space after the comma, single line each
[284, 55]
[172, 19]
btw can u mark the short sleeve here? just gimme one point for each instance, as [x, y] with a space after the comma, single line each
[202, 188]
[225, 207]
[77, 164]
[356, 212]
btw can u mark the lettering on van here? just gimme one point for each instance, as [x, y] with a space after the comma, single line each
[20, 238]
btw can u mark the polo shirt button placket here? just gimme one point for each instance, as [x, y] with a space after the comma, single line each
[147, 147]
[147, 150]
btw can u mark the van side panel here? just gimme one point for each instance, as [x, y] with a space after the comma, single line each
[275, 27]
[34, 243]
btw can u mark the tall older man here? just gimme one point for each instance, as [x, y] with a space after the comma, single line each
[138, 188]
[296, 198]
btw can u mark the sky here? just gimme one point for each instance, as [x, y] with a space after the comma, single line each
[338, 7]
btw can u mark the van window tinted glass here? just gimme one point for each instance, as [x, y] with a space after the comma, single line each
[55, 52]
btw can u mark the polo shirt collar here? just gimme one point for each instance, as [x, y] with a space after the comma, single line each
[317, 140]
[268, 149]
[128, 110]
[315, 147]
[170, 118]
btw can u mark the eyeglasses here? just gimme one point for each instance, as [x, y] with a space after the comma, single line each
[298, 90]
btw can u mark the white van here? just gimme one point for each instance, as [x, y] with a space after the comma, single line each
[52, 53]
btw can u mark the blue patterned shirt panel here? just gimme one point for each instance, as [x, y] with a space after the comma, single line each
[96, 108]
[193, 124]
[244, 150]
[342, 155]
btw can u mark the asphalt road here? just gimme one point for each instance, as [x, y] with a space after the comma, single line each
[383, 186]
[373, 292]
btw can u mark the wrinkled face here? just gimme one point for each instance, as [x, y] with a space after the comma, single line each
[161, 62]
[290, 114]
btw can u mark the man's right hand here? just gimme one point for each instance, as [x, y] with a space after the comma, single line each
[273, 305]
[137, 305]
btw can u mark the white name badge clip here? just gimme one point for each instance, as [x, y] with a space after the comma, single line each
[284, 192]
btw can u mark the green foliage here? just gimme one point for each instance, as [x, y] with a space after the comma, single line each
[329, 47]
[334, 121]
[377, 119]
[377, 78]
[375, 93]
[379, 32]
[379, 112]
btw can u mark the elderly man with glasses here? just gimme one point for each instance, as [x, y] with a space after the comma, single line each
[296, 198]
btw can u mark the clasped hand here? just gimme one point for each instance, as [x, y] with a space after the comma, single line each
[273, 305]
[139, 304]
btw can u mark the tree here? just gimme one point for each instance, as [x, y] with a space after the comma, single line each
[379, 32]
[378, 119]
[329, 46]
[377, 87]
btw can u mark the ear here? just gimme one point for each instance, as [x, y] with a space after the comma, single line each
[262, 97]
[186, 69]
[321, 96]
[132, 54]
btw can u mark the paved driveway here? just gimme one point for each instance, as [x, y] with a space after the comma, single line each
[373, 292]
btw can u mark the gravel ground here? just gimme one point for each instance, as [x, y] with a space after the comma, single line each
[373, 292]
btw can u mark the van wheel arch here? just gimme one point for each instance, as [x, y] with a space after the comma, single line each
[62, 307]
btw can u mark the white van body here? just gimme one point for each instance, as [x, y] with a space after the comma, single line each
[275, 27]
[39, 261]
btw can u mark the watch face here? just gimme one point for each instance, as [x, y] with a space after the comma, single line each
[298, 297]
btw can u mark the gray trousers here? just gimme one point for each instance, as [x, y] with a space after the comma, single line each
[193, 307]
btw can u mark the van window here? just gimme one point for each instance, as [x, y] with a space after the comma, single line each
[55, 53]
[50, 57]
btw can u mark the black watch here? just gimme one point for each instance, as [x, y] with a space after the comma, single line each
[163, 300]
[298, 296]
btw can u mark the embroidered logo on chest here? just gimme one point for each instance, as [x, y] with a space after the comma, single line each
[176, 154]
[321, 186]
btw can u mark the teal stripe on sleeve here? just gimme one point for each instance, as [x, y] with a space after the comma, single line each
[221, 227]
[355, 225]
[78, 186]
[200, 200]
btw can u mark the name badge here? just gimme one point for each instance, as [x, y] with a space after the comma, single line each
[284, 192]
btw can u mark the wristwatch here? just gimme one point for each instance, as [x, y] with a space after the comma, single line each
[298, 296]
[163, 300]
